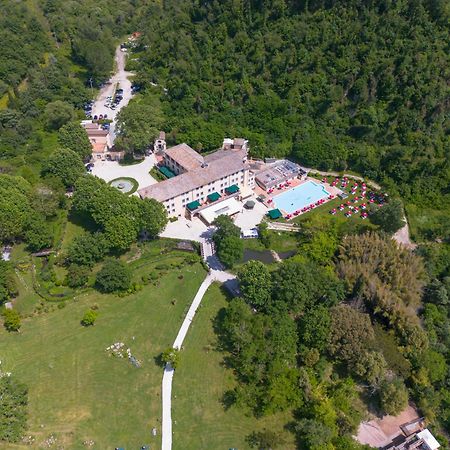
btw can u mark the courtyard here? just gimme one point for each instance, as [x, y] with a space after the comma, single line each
[110, 170]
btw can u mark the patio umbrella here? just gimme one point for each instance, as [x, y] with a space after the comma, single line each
[249, 204]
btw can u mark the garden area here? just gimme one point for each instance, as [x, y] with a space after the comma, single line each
[82, 393]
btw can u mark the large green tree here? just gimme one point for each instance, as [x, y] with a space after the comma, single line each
[114, 276]
[66, 165]
[73, 136]
[57, 114]
[255, 283]
[390, 217]
[15, 208]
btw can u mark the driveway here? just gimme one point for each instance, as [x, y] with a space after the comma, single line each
[109, 170]
[121, 77]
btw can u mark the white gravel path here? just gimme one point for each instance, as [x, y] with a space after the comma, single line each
[214, 275]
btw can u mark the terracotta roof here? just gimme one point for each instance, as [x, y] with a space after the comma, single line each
[227, 164]
[185, 156]
[99, 147]
[91, 126]
[97, 132]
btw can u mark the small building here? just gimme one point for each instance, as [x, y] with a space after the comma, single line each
[100, 142]
[160, 145]
[423, 440]
[250, 234]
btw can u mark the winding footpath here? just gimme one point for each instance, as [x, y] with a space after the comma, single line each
[216, 273]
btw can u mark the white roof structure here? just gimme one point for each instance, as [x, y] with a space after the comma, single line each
[248, 234]
[228, 207]
[429, 439]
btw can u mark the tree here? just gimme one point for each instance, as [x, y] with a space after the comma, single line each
[11, 319]
[255, 283]
[314, 434]
[57, 114]
[66, 165]
[297, 285]
[74, 137]
[314, 328]
[171, 356]
[87, 249]
[264, 234]
[265, 440]
[14, 206]
[77, 276]
[120, 233]
[387, 278]
[351, 333]
[45, 199]
[89, 318]
[230, 250]
[393, 397]
[38, 234]
[225, 228]
[13, 409]
[153, 217]
[138, 124]
[114, 276]
[7, 281]
[390, 217]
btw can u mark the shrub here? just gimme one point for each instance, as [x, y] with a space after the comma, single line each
[171, 356]
[11, 320]
[77, 276]
[89, 318]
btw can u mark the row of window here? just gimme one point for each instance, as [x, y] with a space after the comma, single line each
[200, 195]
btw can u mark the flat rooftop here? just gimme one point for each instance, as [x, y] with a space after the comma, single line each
[277, 173]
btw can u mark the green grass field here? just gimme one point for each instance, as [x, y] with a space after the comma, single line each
[77, 392]
[200, 421]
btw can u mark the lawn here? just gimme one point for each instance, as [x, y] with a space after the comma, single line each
[77, 392]
[200, 421]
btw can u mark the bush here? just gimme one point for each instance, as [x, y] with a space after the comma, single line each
[171, 356]
[114, 276]
[89, 318]
[11, 320]
[77, 276]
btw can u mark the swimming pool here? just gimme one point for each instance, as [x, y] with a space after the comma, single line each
[300, 196]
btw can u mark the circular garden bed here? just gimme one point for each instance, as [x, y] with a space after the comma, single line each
[125, 185]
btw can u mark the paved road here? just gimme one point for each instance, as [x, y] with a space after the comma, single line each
[213, 275]
[121, 77]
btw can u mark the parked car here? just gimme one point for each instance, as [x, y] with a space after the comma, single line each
[95, 117]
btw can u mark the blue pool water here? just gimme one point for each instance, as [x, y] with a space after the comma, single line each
[300, 196]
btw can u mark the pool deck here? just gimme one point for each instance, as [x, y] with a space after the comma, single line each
[333, 190]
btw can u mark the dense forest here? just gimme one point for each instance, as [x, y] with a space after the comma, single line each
[352, 323]
[357, 85]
